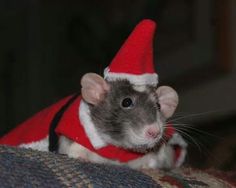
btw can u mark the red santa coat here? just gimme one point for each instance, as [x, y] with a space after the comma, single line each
[37, 128]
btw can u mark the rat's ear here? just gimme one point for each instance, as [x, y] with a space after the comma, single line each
[168, 99]
[94, 88]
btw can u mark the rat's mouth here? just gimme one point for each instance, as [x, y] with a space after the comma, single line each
[140, 149]
[145, 148]
[140, 141]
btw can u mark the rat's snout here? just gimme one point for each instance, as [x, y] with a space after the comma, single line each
[152, 132]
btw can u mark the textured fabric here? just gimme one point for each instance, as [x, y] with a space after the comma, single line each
[29, 168]
[193, 178]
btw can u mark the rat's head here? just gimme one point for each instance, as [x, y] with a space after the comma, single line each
[126, 115]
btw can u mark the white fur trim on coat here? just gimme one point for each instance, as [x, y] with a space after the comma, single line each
[89, 127]
[41, 145]
[177, 139]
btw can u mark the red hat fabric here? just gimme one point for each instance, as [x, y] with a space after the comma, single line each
[134, 60]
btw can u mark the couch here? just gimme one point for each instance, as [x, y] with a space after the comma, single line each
[29, 168]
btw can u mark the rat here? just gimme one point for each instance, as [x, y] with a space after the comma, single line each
[127, 116]
[111, 122]
[119, 119]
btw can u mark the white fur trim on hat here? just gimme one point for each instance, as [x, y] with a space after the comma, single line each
[143, 79]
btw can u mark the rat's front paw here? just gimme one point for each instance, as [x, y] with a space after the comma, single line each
[151, 163]
[78, 152]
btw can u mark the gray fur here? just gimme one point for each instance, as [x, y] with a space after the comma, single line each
[112, 120]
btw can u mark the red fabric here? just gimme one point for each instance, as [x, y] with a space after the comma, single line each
[136, 54]
[33, 129]
[177, 150]
[37, 128]
[170, 130]
[76, 132]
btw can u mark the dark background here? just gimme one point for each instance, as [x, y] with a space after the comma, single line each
[46, 46]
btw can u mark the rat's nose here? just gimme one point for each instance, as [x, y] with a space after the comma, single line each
[152, 132]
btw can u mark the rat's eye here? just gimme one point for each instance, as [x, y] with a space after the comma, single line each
[158, 106]
[127, 103]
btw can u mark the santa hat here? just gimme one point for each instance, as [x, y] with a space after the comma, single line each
[134, 60]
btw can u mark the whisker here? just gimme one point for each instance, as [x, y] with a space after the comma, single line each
[201, 141]
[194, 115]
[186, 135]
[192, 128]
[201, 144]
[164, 139]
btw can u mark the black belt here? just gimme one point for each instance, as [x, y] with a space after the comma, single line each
[53, 137]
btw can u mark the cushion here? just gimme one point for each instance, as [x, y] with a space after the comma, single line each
[29, 168]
